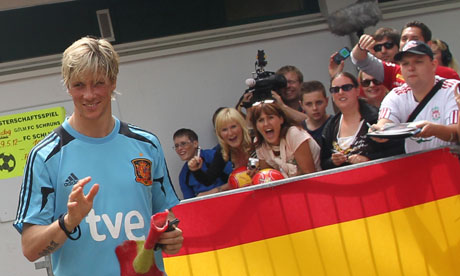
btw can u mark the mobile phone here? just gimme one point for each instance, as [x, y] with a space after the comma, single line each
[342, 54]
[198, 151]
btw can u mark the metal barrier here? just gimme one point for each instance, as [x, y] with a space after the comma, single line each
[393, 216]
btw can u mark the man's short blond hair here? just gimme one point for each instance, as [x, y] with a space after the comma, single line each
[89, 56]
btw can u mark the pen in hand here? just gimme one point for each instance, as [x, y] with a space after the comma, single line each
[371, 127]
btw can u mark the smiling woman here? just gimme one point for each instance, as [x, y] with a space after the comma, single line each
[281, 144]
[235, 146]
[374, 91]
[344, 137]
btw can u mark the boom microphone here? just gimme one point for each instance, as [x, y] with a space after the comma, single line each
[355, 18]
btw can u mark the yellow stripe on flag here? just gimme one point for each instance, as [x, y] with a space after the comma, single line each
[420, 240]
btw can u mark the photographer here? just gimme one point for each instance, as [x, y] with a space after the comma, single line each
[289, 100]
[268, 85]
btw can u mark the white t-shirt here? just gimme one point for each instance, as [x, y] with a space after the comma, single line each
[441, 109]
[285, 162]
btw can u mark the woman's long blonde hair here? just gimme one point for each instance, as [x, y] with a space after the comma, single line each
[446, 55]
[225, 116]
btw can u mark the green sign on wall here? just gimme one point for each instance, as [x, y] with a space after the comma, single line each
[19, 133]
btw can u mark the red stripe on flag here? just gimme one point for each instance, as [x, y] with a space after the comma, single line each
[255, 215]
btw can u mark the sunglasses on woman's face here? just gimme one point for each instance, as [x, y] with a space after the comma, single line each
[345, 87]
[366, 83]
[387, 45]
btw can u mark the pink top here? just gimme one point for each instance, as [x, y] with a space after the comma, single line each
[286, 162]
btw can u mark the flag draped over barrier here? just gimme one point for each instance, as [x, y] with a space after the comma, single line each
[396, 217]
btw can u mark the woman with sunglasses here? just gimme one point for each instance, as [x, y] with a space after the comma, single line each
[281, 144]
[235, 146]
[344, 137]
[373, 90]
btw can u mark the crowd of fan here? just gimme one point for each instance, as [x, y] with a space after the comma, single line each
[405, 77]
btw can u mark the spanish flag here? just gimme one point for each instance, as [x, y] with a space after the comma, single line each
[397, 216]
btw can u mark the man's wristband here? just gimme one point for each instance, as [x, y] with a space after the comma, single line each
[67, 233]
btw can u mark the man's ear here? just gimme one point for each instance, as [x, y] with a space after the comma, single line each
[435, 64]
[301, 106]
[195, 144]
[114, 85]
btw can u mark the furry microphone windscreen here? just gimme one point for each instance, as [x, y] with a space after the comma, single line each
[354, 18]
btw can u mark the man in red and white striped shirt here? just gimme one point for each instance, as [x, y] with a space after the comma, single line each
[439, 118]
[387, 72]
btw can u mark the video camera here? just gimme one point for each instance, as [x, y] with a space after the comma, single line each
[263, 82]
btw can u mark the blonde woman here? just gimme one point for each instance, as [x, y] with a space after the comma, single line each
[235, 146]
[442, 53]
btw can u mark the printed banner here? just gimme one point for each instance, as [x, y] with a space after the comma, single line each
[398, 217]
[20, 132]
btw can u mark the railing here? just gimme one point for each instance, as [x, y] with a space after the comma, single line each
[394, 216]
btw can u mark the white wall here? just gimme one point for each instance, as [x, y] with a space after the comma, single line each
[165, 93]
[184, 90]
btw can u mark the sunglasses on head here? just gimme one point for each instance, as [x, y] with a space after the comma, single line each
[345, 87]
[366, 83]
[387, 45]
[263, 102]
